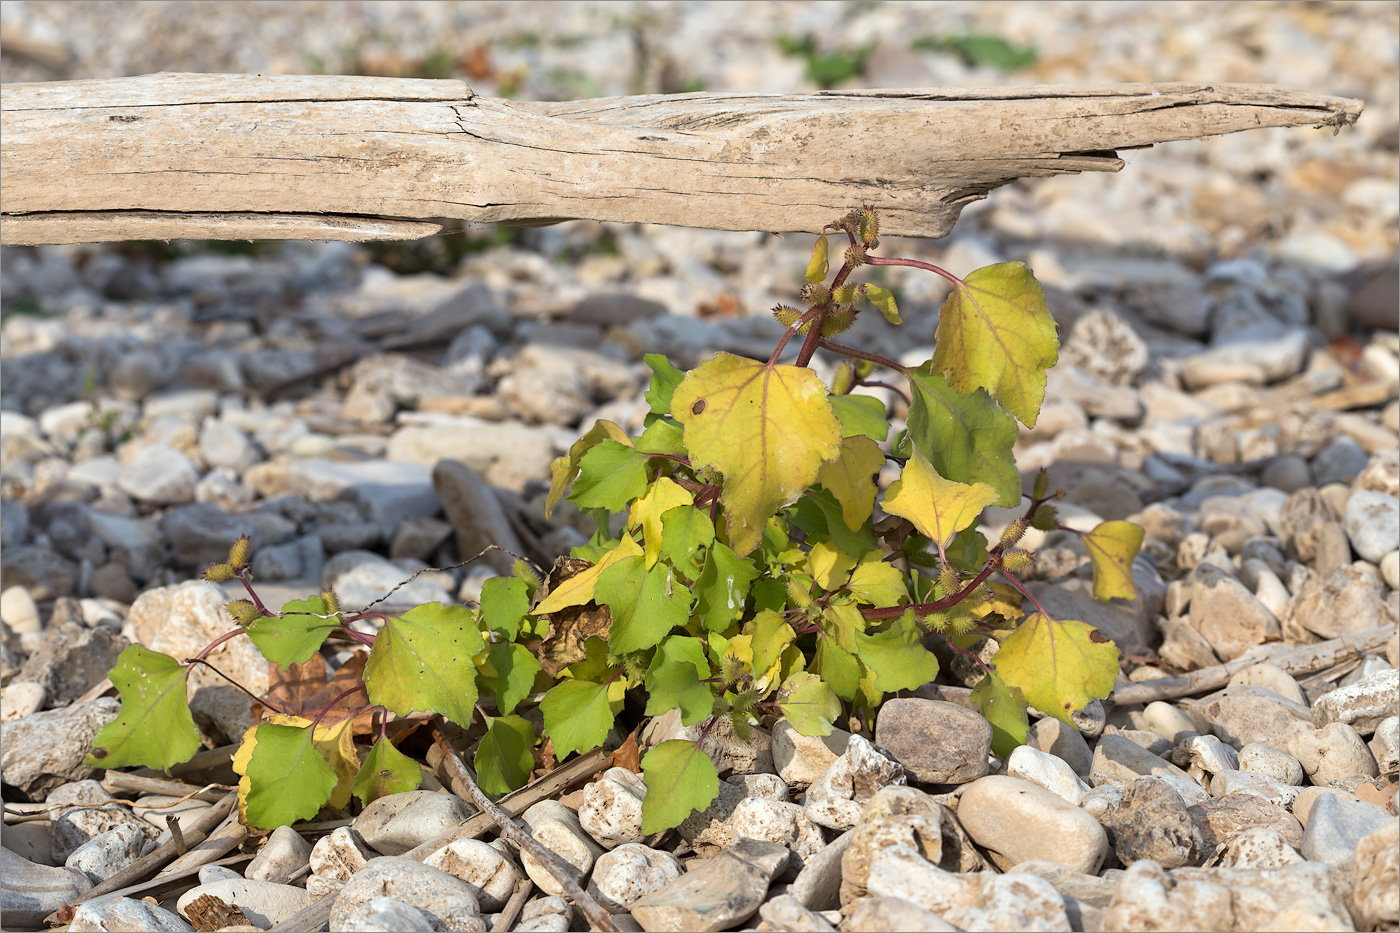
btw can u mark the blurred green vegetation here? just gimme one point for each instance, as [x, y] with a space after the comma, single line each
[826, 69]
[980, 49]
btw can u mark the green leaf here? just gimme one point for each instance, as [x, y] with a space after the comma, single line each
[663, 436]
[610, 476]
[288, 778]
[508, 674]
[877, 582]
[837, 666]
[645, 604]
[684, 530]
[938, 507]
[1112, 547]
[578, 589]
[386, 771]
[504, 602]
[662, 496]
[675, 680]
[680, 778]
[809, 704]
[422, 662]
[664, 379]
[883, 299]
[577, 716]
[771, 636]
[818, 513]
[723, 587]
[767, 429]
[566, 469]
[995, 331]
[852, 478]
[897, 656]
[1058, 666]
[1004, 707]
[861, 415]
[296, 633]
[818, 265]
[154, 727]
[504, 758]
[968, 550]
[965, 437]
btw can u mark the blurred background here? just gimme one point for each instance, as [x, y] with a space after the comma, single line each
[159, 398]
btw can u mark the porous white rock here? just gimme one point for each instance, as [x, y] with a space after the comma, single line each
[1047, 771]
[611, 811]
[629, 873]
[557, 828]
[339, 855]
[837, 798]
[491, 874]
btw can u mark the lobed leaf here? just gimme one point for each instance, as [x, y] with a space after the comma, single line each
[767, 429]
[1059, 666]
[566, 469]
[664, 379]
[1112, 547]
[684, 531]
[937, 507]
[723, 587]
[422, 662]
[296, 633]
[577, 716]
[995, 331]
[830, 566]
[386, 771]
[610, 476]
[645, 604]
[504, 759]
[504, 602]
[508, 674]
[578, 589]
[154, 727]
[663, 495]
[852, 478]
[837, 666]
[965, 437]
[1004, 707]
[877, 582]
[861, 414]
[676, 680]
[288, 779]
[809, 704]
[897, 656]
[680, 778]
[663, 436]
[771, 635]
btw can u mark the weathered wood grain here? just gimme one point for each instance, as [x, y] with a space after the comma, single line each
[238, 156]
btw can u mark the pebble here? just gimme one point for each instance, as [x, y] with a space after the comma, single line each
[1372, 522]
[1334, 828]
[801, 759]
[837, 799]
[491, 874]
[394, 824]
[630, 872]
[1385, 746]
[818, 884]
[1047, 771]
[31, 892]
[1363, 704]
[896, 915]
[340, 855]
[1250, 714]
[1331, 753]
[937, 742]
[282, 855]
[262, 902]
[557, 828]
[45, 750]
[1064, 742]
[109, 852]
[425, 888]
[1018, 822]
[1272, 762]
[112, 912]
[1118, 760]
[715, 894]
[1230, 617]
[611, 811]
[1259, 848]
[389, 915]
[1376, 897]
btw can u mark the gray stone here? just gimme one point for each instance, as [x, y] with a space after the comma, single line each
[1372, 523]
[1105, 346]
[1221, 820]
[818, 884]
[1148, 898]
[362, 577]
[1338, 462]
[629, 873]
[71, 660]
[1118, 760]
[1362, 705]
[224, 445]
[426, 888]
[1230, 617]
[785, 912]
[38, 568]
[108, 853]
[1064, 742]
[491, 874]
[1341, 602]
[30, 892]
[557, 828]
[837, 799]
[895, 915]
[1256, 356]
[390, 915]
[717, 893]
[779, 821]
[1152, 822]
[1375, 899]
[547, 915]
[1272, 762]
[1333, 752]
[937, 742]
[44, 750]
[476, 515]
[77, 825]
[507, 454]
[611, 811]
[1335, 827]
[385, 493]
[113, 913]
[159, 474]
[1263, 786]
[801, 759]
[398, 822]
[1019, 822]
[1248, 714]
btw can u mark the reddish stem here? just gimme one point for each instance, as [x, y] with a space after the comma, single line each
[862, 355]
[938, 605]
[252, 594]
[342, 695]
[226, 636]
[875, 384]
[787, 335]
[1021, 588]
[916, 264]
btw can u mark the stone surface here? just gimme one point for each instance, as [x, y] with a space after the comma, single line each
[895, 915]
[1221, 820]
[905, 816]
[1259, 848]
[1064, 742]
[611, 811]
[629, 873]
[1331, 753]
[491, 874]
[1376, 897]
[284, 852]
[1385, 746]
[1118, 760]
[818, 884]
[1341, 602]
[112, 914]
[717, 893]
[937, 742]
[340, 854]
[262, 902]
[1362, 705]
[1372, 523]
[1250, 714]
[557, 828]
[1045, 770]
[1019, 822]
[801, 759]
[1152, 822]
[476, 515]
[1335, 827]
[30, 892]
[785, 912]
[426, 888]
[1230, 617]
[1148, 898]
[1277, 764]
[396, 823]
[44, 750]
[109, 852]
[837, 799]
[389, 915]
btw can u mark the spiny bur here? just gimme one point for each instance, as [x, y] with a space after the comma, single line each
[1015, 560]
[838, 321]
[798, 594]
[732, 670]
[331, 601]
[523, 571]
[218, 573]
[847, 294]
[786, 316]
[243, 611]
[949, 579]
[238, 553]
[855, 255]
[1014, 532]
[816, 293]
[844, 379]
[868, 228]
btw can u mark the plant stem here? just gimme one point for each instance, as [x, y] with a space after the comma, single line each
[876, 384]
[563, 872]
[1021, 588]
[862, 355]
[916, 264]
[226, 636]
[358, 688]
[787, 335]
[252, 594]
[251, 695]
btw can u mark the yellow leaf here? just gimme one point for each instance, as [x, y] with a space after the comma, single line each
[566, 469]
[817, 266]
[1112, 547]
[851, 478]
[995, 331]
[883, 299]
[334, 740]
[938, 507]
[578, 589]
[1058, 666]
[664, 494]
[1004, 602]
[767, 429]
[830, 566]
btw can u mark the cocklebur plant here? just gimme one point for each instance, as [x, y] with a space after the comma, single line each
[759, 571]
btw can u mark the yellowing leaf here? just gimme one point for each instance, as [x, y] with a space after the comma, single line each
[767, 429]
[1112, 547]
[965, 436]
[938, 507]
[565, 469]
[1058, 666]
[851, 478]
[1004, 602]
[664, 494]
[578, 589]
[283, 776]
[877, 582]
[817, 266]
[883, 299]
[830, 566]
[995, 331]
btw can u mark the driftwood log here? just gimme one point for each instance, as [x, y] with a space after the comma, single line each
[357, 158]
